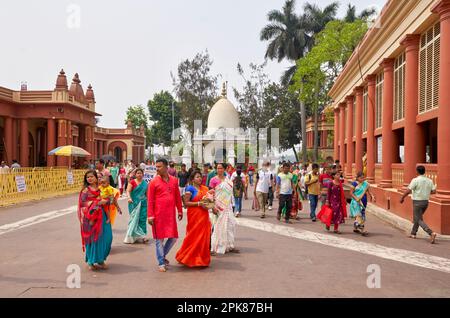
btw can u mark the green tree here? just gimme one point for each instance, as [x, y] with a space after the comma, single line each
[287, 36]
[318, 70]
[252, 113]
[160, 110]
[138, 117]
[196, 89]
[351, 16]
[283, 105]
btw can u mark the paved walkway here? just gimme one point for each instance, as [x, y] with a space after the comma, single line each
[40, 240]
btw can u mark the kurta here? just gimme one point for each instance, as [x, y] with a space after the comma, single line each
[336, 198]
[163, 198]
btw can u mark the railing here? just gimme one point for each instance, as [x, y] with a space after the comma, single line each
[6, 93]
[430, 171]
[25, 184]
[42, 96]
[397, 175]
[378, 172]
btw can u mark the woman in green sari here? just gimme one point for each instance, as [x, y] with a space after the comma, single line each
[137, 207]
[358, 205]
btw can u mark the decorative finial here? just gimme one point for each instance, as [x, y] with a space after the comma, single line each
[224, 89]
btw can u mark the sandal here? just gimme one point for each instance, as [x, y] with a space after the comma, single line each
[411, 236]
[234, 250]
[162, 269]
[337, 232]
[166, 261]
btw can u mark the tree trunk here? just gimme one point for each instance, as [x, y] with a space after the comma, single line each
[303, 128]
[295, 153]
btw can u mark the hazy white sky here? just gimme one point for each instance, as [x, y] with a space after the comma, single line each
[126, 49]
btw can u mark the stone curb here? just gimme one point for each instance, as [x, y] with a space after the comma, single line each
[399, 222]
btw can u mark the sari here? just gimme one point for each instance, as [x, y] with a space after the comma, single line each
[222, 239]
[97, 238]
[357, 208]
[137, 225]
[296, 203]
[194, 251]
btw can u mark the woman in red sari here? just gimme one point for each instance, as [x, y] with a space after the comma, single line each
[195, 249]
[96, 232]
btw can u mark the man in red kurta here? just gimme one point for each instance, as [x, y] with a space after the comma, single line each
[163, 197]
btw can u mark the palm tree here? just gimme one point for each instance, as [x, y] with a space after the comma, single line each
[317, 18]
[351, 16]
[287, 35]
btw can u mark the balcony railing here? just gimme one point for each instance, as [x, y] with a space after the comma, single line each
[397, 175]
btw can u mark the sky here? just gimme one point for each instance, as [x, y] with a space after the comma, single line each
[127, 49]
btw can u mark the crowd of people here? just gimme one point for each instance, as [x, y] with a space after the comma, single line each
[213, 198]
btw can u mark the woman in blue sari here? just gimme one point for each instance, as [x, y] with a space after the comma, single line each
[358, 205]
[137, 207]
[96, 232]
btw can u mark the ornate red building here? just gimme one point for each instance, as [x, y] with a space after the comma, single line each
[392, 102]
[34, 122]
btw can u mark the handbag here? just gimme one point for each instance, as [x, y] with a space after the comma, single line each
[325, 215]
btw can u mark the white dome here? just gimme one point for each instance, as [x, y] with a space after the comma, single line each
[222, 115]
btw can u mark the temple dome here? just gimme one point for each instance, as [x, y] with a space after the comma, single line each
[222, 115]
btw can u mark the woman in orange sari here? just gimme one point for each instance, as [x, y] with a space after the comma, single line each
[195, 249]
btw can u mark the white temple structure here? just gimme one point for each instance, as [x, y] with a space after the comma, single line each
[224, 136]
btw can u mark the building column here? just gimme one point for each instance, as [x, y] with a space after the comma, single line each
[51, 141]
[342, 133]
[414, 134]
[101, 151]
[15, 155]
[336, 133]
[387, 133]
[9, 139]
[62, 141]
[358, 128]
[24, 150]
[350, 100]
[443, 176]
[371, 151]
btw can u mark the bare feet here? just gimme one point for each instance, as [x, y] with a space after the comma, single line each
[102, 266]
[433, 238]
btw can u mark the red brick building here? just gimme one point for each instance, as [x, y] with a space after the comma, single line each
[392, 101]
[35, 122]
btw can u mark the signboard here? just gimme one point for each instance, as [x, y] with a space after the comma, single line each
[149, 173]
[21, 185]
[69, 177]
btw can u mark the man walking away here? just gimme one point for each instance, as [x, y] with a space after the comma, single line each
[421, 187]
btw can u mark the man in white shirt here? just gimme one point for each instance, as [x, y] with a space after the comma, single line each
[421, 187]
[263, 182]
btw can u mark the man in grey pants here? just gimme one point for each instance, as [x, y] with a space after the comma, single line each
[421, 187]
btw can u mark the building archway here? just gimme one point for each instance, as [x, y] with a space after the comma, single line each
[117, 148]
